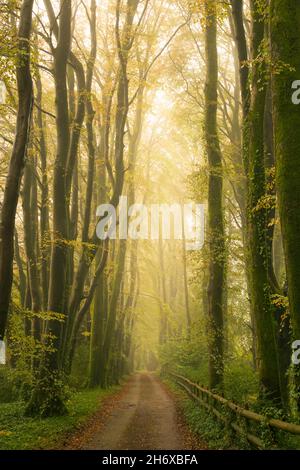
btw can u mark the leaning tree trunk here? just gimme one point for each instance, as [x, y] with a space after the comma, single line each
[16, 165]
[239, 137]
[124, 43]
[90, 113]
[216, 232]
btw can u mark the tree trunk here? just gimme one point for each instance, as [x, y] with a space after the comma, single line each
[261, 289]
[22, 275]
[111, 321]
[285, 49]
[257, 245]
[216, 231]
[185, 282]
[31, 242]
[88, 255]
[46, 398]
[44, 211]
[17, 161]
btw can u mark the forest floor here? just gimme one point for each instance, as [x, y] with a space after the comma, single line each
[18, 432]
[144, 415]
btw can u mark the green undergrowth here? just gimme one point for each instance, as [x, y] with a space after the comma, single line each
[18, 432]
[240, 381]
[217, 436]
[200, 422]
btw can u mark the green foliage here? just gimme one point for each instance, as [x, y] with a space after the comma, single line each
[205, 425]
[50, 393]
[15, 384]
[186, 352]
[241, 381]
[189, 356]
[8, 49]
[79, 375]
[218, 436]
[201, 422]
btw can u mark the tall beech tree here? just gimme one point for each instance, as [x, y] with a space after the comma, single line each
[257, 245]
[124, 41]
[17, 160]
[49, 374]
[285, 59]
[257, 217]
[216, 230]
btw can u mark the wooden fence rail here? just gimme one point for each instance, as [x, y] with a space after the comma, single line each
[233, 416]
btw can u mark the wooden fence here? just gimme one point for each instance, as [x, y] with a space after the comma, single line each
[240, 420]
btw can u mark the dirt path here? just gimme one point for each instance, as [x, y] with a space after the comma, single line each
[144, 417]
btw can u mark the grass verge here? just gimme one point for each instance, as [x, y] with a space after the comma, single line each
[20, 433]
